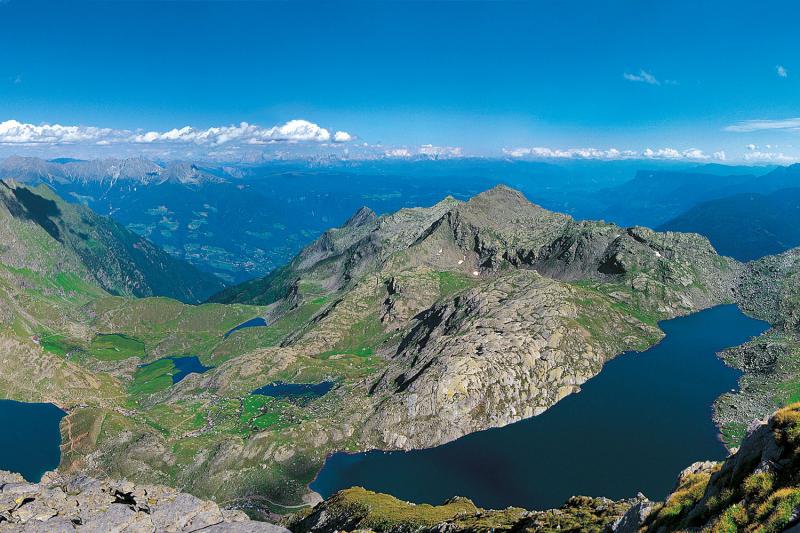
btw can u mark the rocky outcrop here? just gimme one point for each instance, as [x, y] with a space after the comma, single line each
[770, 289]
[755, 489]
[506, 350]
[60, 504]
[358, 509]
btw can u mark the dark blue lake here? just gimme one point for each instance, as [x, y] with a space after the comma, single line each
[30, 439]
[632, 428]
[256, 322]
[186, 365]
[279, 389]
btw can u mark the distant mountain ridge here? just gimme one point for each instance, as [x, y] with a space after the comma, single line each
[654, 197]
[135, 169]
[746, 226]
[46, 234]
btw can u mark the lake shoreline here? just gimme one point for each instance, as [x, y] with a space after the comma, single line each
[731, 380]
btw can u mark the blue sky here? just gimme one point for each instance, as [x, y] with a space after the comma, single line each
[555, 76]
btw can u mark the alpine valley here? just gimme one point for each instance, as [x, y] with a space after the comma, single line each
[406, 330]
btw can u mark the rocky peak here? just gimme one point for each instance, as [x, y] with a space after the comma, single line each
[502, 203]
[187, 173]
[363, 216]
[500, 193]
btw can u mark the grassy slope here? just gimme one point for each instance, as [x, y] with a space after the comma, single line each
[360, 509]
[119, 261]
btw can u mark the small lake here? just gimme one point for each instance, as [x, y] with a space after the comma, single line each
[182, 366]
[293, 391]
[185, 365]
[30, 440]
[632, 428]
[256, 322]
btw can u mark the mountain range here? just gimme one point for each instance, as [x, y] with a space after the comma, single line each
[424, 324]
[746, 225]
[241, 221]
[137, 170]
[653, 197]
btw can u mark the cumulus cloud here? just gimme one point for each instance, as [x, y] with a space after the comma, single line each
[342, 137]
[747, 126]
[781, 71]
[643, 77]
[613, 154]
[292, 131]
[15, 132]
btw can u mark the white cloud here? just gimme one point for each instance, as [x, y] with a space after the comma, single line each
[781, 71]
[747, 126]
[643, 76]
[540, 152]
[614, 154]
[439, 151]
[398, 152]
[423, 151]
[342, 137]
[757, 156]
[292, 131]
[692, 154]
[297, 130]
[15, 132]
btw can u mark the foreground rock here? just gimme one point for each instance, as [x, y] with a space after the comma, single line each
[79, 503]
[755, 489]
[358, 509]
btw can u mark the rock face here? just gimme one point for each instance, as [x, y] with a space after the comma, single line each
[78, 503]
[529, 304]
[505, 350]
[770, 289]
